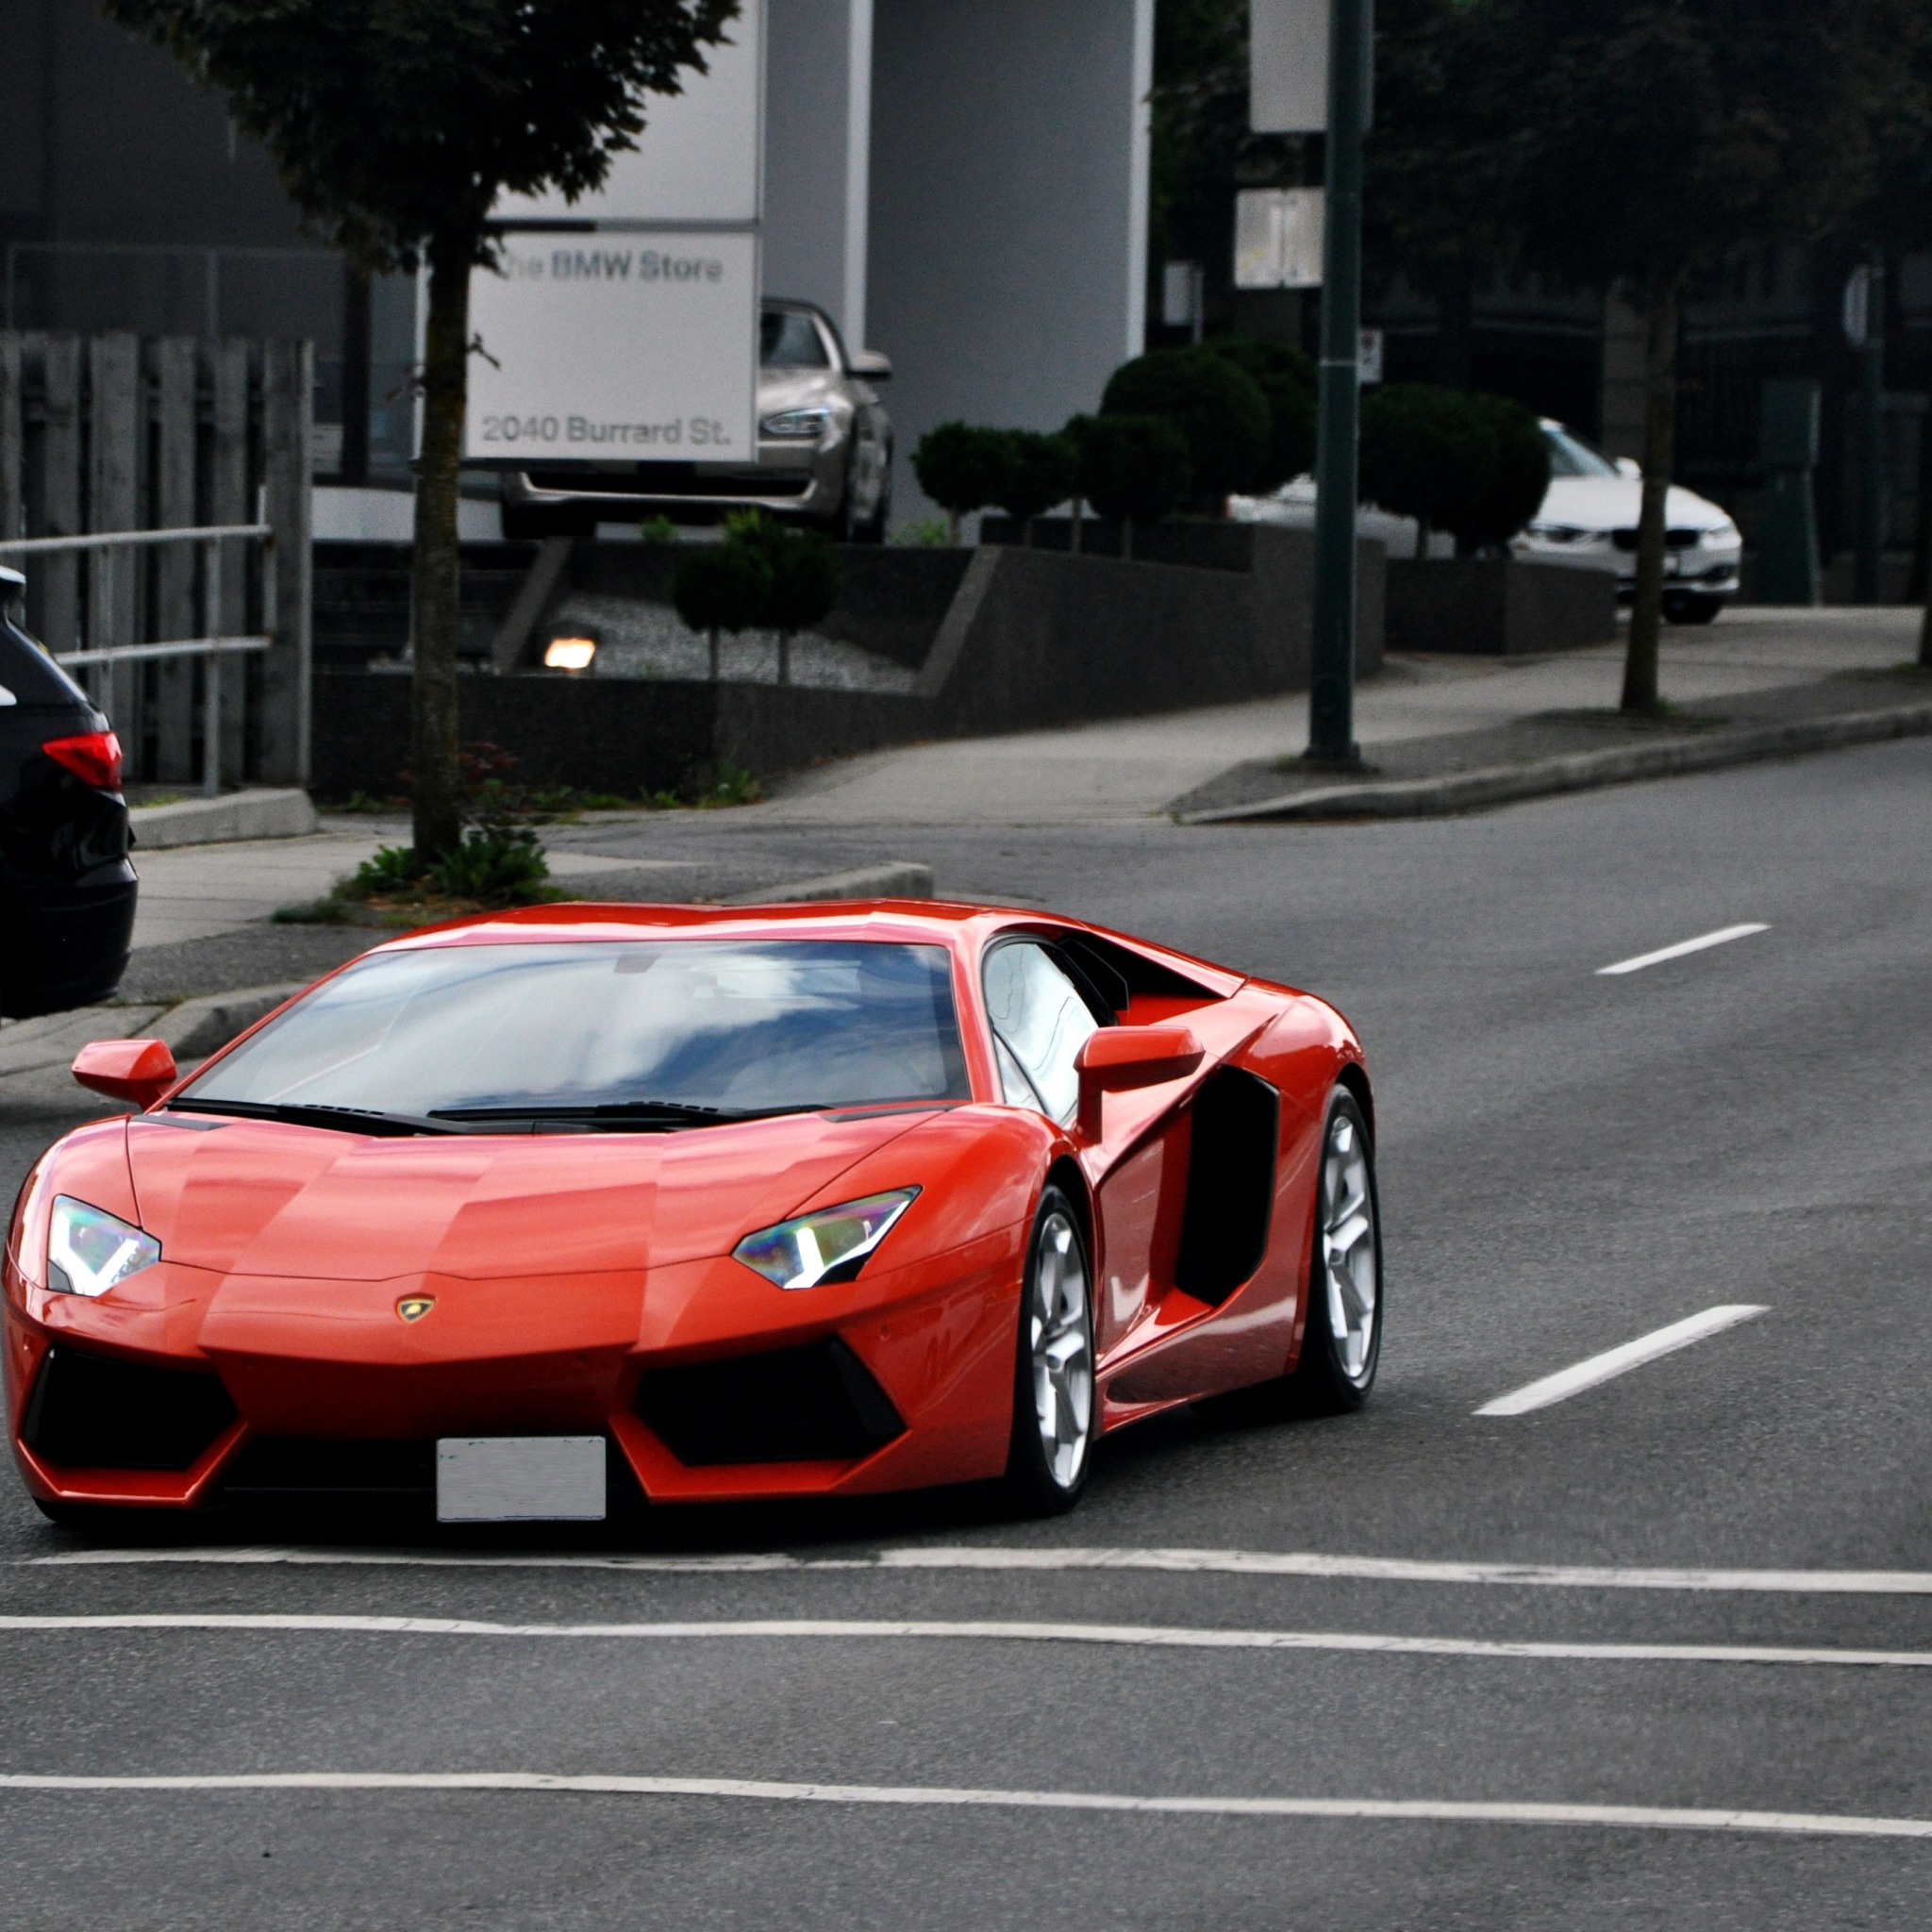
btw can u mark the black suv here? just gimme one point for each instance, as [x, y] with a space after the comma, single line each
[66, 887]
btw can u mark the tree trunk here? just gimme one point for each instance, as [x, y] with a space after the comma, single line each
[784, 656]
[714, 654]
[1079, 513]
[954, 521]
[1662, 291]
[438, 786]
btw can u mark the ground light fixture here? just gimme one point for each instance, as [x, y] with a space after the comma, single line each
[569, 654]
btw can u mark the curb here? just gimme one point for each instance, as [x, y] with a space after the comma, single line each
[1581, 770]
[262, 814]
[197, 1027]
[892, 878]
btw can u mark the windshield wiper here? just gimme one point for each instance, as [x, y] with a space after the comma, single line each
[346, 1119]
[628, 1113]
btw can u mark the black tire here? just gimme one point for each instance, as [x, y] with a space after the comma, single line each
[1337, 1371]
[1692, 607]
[1036, 1484]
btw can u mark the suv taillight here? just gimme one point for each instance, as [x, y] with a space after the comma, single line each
[94, 758]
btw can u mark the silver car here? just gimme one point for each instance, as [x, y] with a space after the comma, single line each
[825, 451]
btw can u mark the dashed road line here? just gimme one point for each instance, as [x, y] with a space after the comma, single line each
[1131, 1636]
[765, 1790]
[1052, 1558]
[1722, 936]
[1620, 1361]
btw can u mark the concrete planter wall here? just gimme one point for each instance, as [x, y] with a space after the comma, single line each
[1002, 640]
[1497, 606]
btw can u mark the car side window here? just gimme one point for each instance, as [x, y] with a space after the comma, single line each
[1039, 1023]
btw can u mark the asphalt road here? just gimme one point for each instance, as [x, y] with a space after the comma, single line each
[1568, 1161]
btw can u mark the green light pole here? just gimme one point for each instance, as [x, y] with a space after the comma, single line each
[1331, 681]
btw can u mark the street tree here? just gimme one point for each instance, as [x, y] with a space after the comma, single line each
[958, 465]
[1647, 139]
[396, 125]
[1131, 468]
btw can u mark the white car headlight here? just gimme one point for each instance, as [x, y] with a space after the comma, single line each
[1720, 534]
[1560, 533]
[798, 425]
[830, 1245]
[90, 1251]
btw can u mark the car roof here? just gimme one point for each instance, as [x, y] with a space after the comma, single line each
[959, 926]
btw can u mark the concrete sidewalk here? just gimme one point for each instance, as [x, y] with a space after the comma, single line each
[1127, 768]
[1124, 769]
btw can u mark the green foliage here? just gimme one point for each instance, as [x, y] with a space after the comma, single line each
[1287, 377]
[393, 869]
[1034, 472]
[802, 570]
[395, 124]
[1131, 468]
[1220, 409]
[495, 867]
[1521, 473]
[1474, 465]
[960, 467]
[657, 529]
[721, 586]
[930, 533]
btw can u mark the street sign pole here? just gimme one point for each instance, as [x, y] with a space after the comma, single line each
[1871, 433]
[1331, 683]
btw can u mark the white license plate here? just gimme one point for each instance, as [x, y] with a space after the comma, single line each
[520, 1479]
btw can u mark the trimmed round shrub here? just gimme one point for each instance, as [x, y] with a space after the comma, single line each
[1220, 409]
[804, 578]
[960, 467]
[1035, 472]
[1288, 379]
[1425, 452]
[1522, 476]
[721, 587]
[1131, 468]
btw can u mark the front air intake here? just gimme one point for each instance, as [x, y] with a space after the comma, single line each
[815, 1404]
[90, 1411]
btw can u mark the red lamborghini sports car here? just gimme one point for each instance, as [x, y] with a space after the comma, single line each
[520, 1216]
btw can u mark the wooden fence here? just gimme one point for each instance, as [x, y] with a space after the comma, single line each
[115, 433]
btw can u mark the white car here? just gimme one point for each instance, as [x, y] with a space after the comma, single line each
[1588, 519]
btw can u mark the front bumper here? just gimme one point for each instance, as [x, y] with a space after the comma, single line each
[786, 480]
[1705, 570]
[710, 1384]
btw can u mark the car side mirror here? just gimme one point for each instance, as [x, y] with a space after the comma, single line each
[137, 1070]
[1629, 466]
[1117, 1059]
[869, 366]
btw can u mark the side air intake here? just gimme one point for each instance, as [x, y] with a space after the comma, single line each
[1230, 1184]
[815, 1404]
[90, 1411]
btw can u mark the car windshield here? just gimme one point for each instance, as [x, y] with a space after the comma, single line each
[1570, 456]
[738, 1026]
[790, 341]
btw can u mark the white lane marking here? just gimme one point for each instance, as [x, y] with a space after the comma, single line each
[1154, 1637]
[1620, 1361]
[766, 1791]
[994, 1556]
[1702, 943]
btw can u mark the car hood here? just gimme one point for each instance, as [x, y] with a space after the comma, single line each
[264, 1199]
[1611, 503]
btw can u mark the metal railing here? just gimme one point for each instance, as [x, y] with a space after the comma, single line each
[103, 548]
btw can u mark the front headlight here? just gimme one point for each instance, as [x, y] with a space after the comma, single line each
[796, 425]
[830, 1245]
[1560, 533]
[90, 1251]
[1720, 534]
